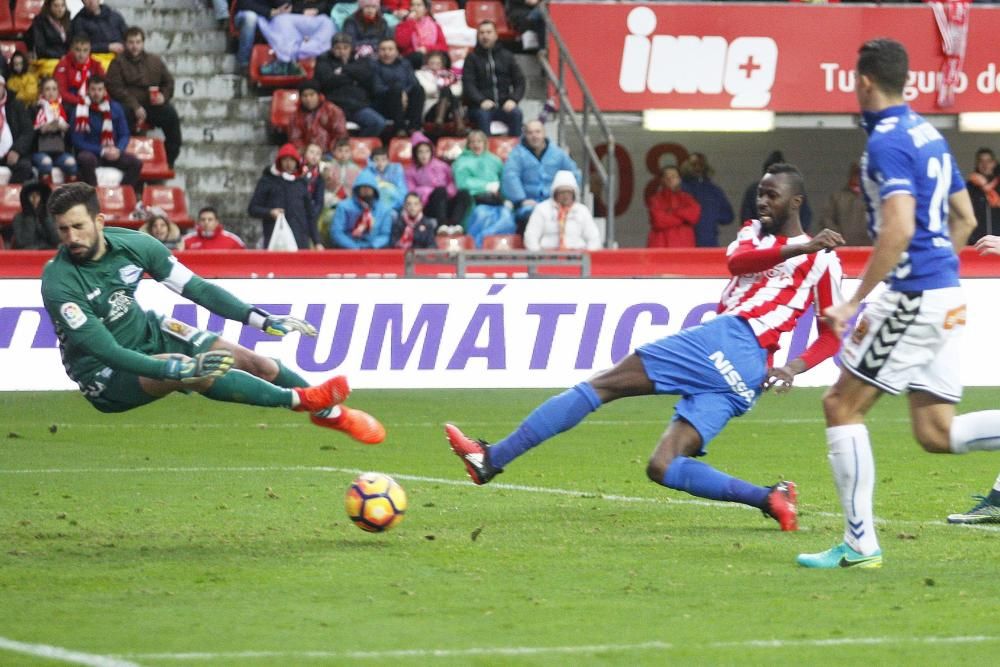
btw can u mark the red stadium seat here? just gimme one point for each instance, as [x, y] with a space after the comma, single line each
[478, 11]
[25, 12]
[117, 204]
[7, 49]
[361, 149]
[154, 158]
[502, 146]
[171, 200]
[443, 6]
[10, 202]
[455, 242]
[284, 102]
[401, 150]
[263, 54]
[446, 147]
[6, 20]
[503, 242]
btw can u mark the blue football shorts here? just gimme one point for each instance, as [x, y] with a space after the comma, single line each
[717, 368]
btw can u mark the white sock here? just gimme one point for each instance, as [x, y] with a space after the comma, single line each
[975, 431]
[996, 484]
[854, 475]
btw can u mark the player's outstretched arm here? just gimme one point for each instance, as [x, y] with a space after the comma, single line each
[278, 325]
[747, 259]
[224, 303]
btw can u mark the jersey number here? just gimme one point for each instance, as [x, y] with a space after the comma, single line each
[940, 171]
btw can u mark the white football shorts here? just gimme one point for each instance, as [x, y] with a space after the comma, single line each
[910, 341]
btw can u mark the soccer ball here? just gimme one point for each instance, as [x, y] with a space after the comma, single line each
[375, 502]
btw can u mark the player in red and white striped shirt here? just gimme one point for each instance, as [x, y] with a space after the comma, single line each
[771, 294]
[718, 368]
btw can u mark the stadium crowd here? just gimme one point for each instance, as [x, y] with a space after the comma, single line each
[405, 132]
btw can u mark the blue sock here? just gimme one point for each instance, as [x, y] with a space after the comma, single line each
[554, 416]
[701, 479]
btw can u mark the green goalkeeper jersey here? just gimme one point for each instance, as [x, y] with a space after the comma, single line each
[97, 320]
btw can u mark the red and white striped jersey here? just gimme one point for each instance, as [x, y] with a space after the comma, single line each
[771, 294]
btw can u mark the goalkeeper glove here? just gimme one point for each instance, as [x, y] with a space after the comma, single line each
[278, 325]
[193, 369]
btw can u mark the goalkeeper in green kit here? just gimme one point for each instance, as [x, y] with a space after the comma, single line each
[124, 357]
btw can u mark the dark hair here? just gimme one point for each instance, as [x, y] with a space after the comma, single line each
[487, 22]
[885, 62]
[387, 39]
[443, 55]
[774, 158]
[341, 142]
[309, 84]
[44, 80]
[428, 6]
[47, 11]
[792, 172]
[208, 209]
[24, 60]
[135, 30]
[985, 151]
[381, 150]
[342, 38]
[79, 38]
[664, 170]
[96, 78]
[73, 194]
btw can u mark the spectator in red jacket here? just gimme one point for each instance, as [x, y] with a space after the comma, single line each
[673, 213]
[316, 120]
[74, 70]
[419, 34]
[209, 234]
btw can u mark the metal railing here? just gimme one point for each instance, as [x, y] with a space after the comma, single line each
[589, 117]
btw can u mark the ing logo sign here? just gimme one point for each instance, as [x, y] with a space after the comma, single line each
[691, 64]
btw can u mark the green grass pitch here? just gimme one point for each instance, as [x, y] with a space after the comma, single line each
[192, 532]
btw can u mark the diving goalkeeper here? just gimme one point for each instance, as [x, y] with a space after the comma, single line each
[123, 357]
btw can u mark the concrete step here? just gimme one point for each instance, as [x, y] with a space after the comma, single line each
[236, 157]
[166, 40]
[243, 109]
[220, 87]
[199, 64]
[238, 186]
[172, 18]
[211, 135]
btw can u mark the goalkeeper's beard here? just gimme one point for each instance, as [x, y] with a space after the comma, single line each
[84, 257]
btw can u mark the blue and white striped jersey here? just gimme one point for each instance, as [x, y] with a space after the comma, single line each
[906, 155]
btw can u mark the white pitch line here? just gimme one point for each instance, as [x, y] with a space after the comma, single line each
[572, 493]
[557, 650]
[64, 655]
[434, 424]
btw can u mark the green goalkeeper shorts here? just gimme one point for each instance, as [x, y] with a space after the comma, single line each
[117, 391]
